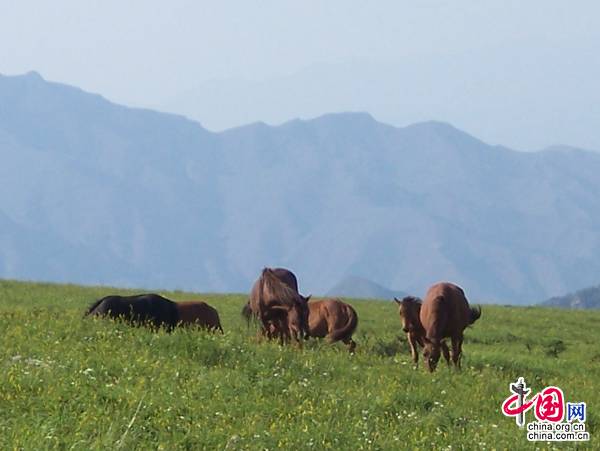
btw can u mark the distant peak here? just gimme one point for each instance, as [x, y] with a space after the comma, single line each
[342, 119]
[33, 75]
[362, 116]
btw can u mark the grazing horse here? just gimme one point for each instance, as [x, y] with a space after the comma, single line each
[274, 303]
[277, 323]
[333, 319]
[288, 278]
[445, 313]
[139, 309]
[200, 314]
[409, 309]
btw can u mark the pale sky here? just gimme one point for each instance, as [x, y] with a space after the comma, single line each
[525, 73]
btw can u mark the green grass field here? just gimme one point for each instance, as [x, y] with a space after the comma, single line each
[73, 383]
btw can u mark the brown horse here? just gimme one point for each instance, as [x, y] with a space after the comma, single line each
[287, 277]
[445, 314]
[409, 309]
[278, 320]
[198, 313]
[273, 302]
[333, 319]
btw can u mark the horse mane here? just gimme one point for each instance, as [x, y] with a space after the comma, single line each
[277, 288]
[92, 306]
[412, 300]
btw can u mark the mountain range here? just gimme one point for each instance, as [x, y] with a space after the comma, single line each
[94, 192]
[360, 287]
[581, 299]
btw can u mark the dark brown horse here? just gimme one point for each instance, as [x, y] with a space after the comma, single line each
[150, 309]
[445, 314]
[288, 278]
[198, 313]
[409, 309]
[333, 319]
[274, 302]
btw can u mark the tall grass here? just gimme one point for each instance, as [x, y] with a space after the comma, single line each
[68, 382]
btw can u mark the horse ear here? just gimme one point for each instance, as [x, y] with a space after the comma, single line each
[397, 300]
[307, 298]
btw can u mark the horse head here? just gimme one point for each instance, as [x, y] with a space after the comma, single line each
[409, 309]
[431, 354]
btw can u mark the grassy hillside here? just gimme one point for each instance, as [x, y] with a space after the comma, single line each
[74, 383]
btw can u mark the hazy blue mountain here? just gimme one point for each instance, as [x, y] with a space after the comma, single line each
[99, 193]
[359, 287]
[581, 299]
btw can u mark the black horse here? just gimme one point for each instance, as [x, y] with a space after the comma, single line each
[150, 309]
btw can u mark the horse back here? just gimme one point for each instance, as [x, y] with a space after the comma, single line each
[287, 277]
[140, 308]
[155, 308]
[113, 306]
[318, 318]
[329, 315]
[444, 311]
[198, 312]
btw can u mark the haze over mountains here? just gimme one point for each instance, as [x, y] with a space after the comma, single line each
[585, 298]
[94, 192]
[524, 107]
[359, 287]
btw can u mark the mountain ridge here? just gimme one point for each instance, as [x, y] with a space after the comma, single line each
[363, 288]
[178, 206]
[586, 298]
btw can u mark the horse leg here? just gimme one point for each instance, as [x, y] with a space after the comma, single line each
[264, 329]
[412, 341]
[287, 337]
[456, 350]
[298, 341]
[276, 331]
[351, 344]
[446, 352]
[282, 330]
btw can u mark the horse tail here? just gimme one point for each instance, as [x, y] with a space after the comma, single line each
[348, 329]
[247, 313]
[474, 314]
[218, 320]
[91, 308]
